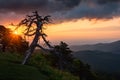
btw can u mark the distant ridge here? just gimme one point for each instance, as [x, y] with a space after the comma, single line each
[113, 47]
[100, 61]
[103, 57]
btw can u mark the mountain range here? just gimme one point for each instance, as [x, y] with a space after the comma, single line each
[100, 61]
[113, 47]
[103, 57]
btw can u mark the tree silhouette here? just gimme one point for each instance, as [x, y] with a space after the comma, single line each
[4, 37]
[61, 57]
[34, 27]
[18, 44]
[11, 42]
[64, 55]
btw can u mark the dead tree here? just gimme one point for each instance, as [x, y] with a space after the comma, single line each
[34, 27]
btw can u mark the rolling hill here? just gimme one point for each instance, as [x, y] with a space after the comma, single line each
[113, 47]
[100, 61]
[102, 56]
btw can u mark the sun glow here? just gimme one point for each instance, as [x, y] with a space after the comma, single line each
[15, 32]
[80, 31]
[18, 31]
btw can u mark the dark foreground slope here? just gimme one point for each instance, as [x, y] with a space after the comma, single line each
[19, 72]
[11, 69]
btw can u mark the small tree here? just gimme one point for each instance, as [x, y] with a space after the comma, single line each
[34, 27]
[61, 57]
[64, 55]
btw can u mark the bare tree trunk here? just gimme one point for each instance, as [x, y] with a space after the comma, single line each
[38, 21]
[32, 47]
[60, 62]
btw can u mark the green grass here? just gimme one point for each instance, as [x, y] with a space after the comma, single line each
[37, 69]
[11, 69]
[19, 72]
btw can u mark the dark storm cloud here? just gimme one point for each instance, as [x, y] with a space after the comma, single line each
[107, 1]
[67, 3]
[48, 6]
[106, 9]
[12, 9]
[21, 5]
[63, 9]
[93, 10]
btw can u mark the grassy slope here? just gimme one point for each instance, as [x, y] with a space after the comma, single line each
[11, 69]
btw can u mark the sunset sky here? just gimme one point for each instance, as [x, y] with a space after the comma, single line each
[73, 21]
